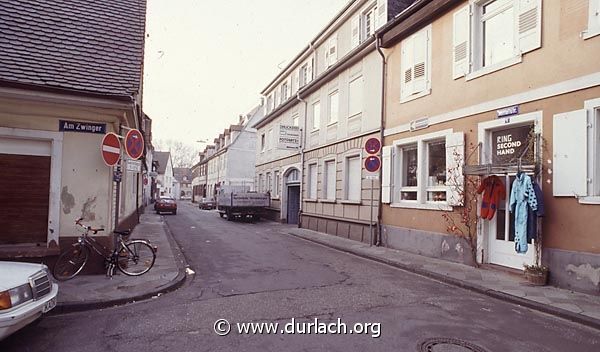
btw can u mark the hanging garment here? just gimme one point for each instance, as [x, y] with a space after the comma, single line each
[533, 215]
[493, 192]
[521, 194]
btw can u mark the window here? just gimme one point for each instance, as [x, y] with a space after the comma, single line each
[295, 120]
[593, 19]
[366, 23]
[262, 142]
[260, 183]
[334, 107]
[276, 184]
[353, 176]
[284, 91]
[270, 139]
[269, 188]
[269, 103]
[501, 31]
[312, 181]
[329, 178]
[355, 96]
[416, 65]
[276, 98]
[306, 73]
[369, 22]
[316, 116]
[428, 171]
[331, 54]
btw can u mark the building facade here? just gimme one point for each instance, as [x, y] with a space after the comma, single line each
[332, 91]
[183, 176]
[476, 89]
[165, 180]
[53, 115]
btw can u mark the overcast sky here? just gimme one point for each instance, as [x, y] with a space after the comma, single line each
[206, 62]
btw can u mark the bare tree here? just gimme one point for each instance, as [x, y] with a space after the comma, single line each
[182, 155]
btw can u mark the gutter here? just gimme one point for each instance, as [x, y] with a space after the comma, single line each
[302, 155]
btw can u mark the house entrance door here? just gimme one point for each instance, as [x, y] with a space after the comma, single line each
[293, 206]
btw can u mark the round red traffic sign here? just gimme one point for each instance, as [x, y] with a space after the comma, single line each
[372, 146]
[372, 163]
[134, 144]
[111, 149]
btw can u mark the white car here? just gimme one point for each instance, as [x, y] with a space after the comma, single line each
[26, 292]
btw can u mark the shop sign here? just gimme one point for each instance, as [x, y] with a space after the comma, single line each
[510, 144]
[83, 127]
[289, 137]
[509, 111]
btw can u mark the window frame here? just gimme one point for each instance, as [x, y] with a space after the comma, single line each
[315, 126]
[262, 142]
[360, 79]
[592, 108]
[346, 177]
[276, 182]
[593, 29]
[330, 105]
[310, 180]
[422, 142]
[325, 188]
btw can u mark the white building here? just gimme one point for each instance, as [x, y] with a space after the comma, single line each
[165, 180]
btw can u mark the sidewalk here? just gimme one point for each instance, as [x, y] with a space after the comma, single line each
[574, 306]
[85, 292]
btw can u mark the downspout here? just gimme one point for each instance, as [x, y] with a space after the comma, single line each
[302, 155]
[382, 125]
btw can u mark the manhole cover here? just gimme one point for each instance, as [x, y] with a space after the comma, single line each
[443, 344]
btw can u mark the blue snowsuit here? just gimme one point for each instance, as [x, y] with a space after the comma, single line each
[521, 194]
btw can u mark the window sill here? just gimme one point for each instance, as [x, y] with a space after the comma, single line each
[499, 66]
[275, 198]
[590, 33]
[331, 124]
[589, 200]
[314, 131]
[415, 96]
[327, 200]
[311, 200]
[355, 202]
[425, 206]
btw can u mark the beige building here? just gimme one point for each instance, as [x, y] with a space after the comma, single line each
[54, 113]
[330, 97]
[494, 88]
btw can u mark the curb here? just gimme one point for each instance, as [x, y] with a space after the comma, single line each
[177, 282]
[558, 312]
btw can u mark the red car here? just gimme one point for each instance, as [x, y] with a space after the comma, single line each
[165, 205]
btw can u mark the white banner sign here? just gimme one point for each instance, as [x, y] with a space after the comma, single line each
[133, 165]
[289, 137]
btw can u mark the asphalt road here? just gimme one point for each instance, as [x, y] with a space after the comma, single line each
[249, 272]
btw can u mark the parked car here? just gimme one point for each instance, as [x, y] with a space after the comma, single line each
[165, 205]
[27, 291]
[207, 203]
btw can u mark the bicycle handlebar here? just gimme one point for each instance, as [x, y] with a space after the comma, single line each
[88, 228]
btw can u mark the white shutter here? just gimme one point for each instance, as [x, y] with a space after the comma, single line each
[460, 42]
[296, 81]
[381, 14]
[355, 27]
[406, 64]
[529, 24]
[594, 15]
[455, 159]
[569, 144]
[386, 174]
[420, 64]
[289, 88]
[332, 50]
[309, 71]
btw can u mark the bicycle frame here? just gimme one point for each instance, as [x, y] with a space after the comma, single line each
[110, 257]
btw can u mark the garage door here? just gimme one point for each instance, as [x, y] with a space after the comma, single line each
[24, 199]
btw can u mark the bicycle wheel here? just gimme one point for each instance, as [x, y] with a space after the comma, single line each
[135, 257]
[71, 262]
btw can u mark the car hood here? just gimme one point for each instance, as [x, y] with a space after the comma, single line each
[13, 274]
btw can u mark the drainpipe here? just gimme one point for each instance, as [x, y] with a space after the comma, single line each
[302, 153]
[382, 125]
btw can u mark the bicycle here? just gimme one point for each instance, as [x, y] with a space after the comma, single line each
[132, 257]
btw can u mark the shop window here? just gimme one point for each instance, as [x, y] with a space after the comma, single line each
[409, 181]
[312, 181]
[493, 34]
[436, 175]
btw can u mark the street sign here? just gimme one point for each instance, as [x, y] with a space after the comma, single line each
[84, 127]
[289, 137]
[372, 163]
[133, 165]
[111, 149]
[372, 177]
[372, 145]
[134, 144]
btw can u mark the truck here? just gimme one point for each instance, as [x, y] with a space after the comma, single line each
[240, 202]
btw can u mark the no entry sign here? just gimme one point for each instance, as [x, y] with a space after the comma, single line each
[111, 149]
[134, 144]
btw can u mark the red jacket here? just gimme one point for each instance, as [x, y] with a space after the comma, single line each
[493, 192]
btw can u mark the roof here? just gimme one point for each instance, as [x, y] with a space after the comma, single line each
[163, 160]
[180, 172]
[85, 46]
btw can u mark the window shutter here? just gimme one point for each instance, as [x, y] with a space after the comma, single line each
[594, 15]
[355, 25]
[460, 42]
[309, 71]
[420, 64]
[406, 85]
[331, 55]
[296, 81]
[289, 88]
[386, 174]
[381, 14]
[455, 159]
[569, 143]
[529, 25]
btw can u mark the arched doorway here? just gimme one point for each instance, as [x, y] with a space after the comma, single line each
[292, 191]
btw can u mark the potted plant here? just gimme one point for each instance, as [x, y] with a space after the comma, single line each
[536, 274]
